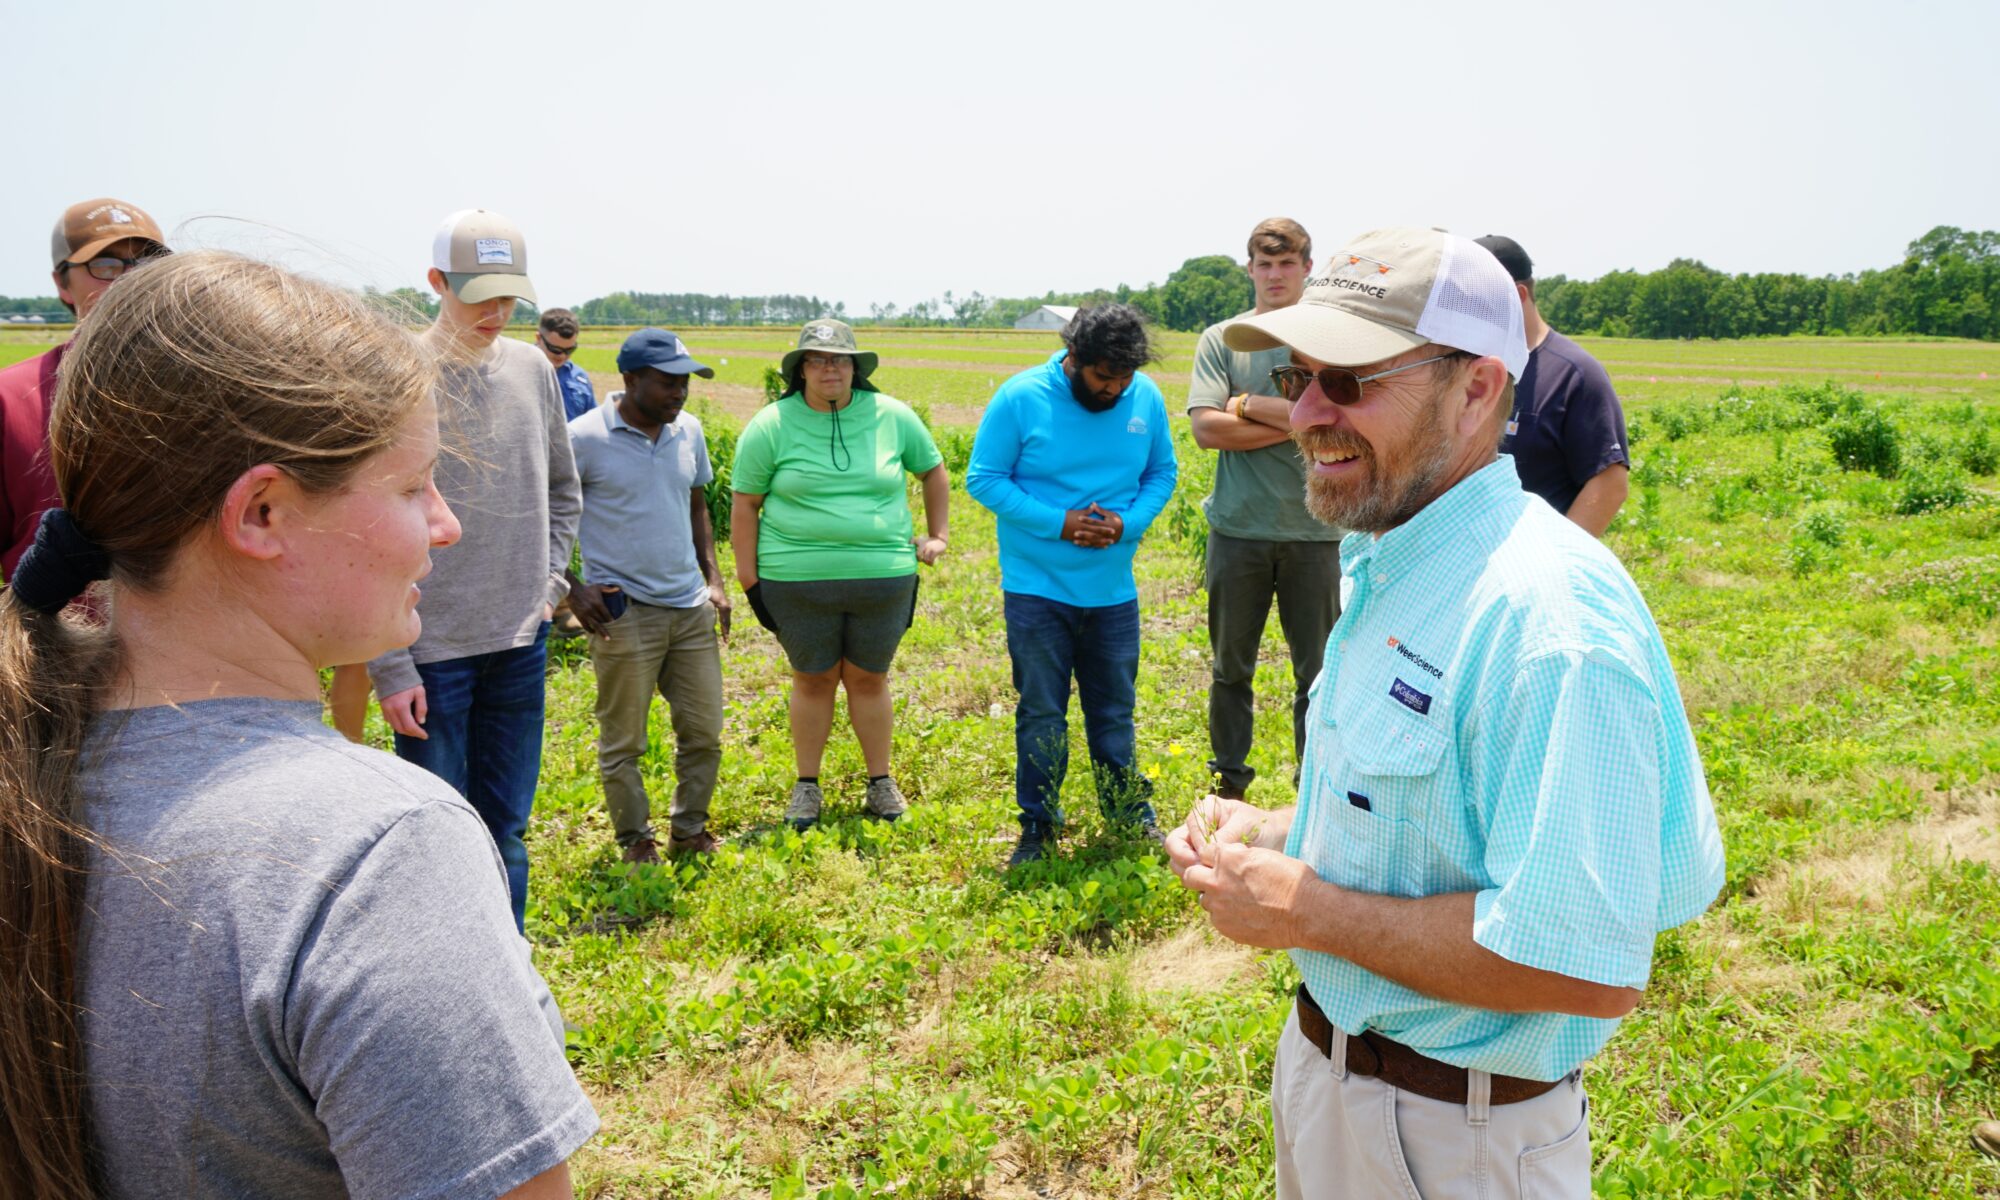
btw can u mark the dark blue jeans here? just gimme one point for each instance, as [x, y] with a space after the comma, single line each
[1050, 642]
[485, 727]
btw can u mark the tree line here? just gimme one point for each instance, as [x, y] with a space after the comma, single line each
[1948, 285]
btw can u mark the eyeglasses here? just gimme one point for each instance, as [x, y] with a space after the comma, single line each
[820, 362]
[106, 268]
[1340, 385]
[552, 348]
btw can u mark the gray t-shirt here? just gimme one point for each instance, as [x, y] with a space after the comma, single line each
[1259, 494]
[298, 971]
[510, 478]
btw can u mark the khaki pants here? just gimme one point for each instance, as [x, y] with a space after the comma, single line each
[1355, 1137]
[674, 651]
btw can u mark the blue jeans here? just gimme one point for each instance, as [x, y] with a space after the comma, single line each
[1050, 642]
[485, 727]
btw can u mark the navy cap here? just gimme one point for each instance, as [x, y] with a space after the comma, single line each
[1511, 256]
[660, 350]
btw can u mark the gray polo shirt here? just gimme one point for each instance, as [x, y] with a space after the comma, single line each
[636, 530]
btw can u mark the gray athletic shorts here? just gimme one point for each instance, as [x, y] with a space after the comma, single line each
[823, 621]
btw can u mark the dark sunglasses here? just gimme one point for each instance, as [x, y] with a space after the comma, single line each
[106, 268]
[552, 348]
[1338, 384]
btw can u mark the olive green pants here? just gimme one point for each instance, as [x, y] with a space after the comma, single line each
[1243, 578]
[672, 651]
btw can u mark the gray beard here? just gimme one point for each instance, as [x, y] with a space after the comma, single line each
[1386, 506]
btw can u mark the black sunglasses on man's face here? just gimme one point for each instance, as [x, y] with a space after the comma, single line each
[1338, 384]
[552, 348]
[107, 267]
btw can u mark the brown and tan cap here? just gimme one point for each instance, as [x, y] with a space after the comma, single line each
[85, 229]
[1392, 290]
[483, 256]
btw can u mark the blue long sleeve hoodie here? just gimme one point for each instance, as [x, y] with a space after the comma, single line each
[1039, 453]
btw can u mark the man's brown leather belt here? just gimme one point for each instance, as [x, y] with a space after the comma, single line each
[1401, 1067]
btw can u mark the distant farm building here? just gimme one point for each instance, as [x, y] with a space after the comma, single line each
[1048, 316]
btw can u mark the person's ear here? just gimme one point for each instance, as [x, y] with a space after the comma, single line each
[61, 276]
[258, 512]
[438, 285]
[1308, 265]
[1485, 383]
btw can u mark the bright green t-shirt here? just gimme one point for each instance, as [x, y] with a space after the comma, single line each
[835, 502]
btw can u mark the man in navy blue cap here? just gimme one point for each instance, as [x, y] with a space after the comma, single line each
[654, 601]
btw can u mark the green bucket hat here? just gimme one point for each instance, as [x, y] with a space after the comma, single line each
[828, 336]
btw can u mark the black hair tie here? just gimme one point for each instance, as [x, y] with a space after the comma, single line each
[62, 562]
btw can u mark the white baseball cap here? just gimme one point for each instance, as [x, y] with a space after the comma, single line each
[482, 255]
[1392, 290]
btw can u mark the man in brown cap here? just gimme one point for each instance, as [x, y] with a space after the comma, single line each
[95, 243]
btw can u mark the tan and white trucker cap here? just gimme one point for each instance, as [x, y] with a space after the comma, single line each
[483, 256]
[1392, 290]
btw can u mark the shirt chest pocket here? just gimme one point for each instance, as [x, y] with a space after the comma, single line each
[1381, 795]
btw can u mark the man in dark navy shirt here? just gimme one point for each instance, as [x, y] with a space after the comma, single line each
[1567, 432]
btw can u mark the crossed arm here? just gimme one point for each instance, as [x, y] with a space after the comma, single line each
[1266, 421]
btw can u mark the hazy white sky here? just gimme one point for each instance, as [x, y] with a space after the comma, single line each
[887, 152]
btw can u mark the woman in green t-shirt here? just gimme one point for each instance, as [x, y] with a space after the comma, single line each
[824, 547]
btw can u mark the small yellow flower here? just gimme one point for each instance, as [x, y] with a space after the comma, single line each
[1152, 770]
[1176, 749]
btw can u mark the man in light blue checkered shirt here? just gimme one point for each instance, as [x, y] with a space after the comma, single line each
[1501, 803]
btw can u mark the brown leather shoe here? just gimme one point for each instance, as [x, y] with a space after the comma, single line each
[645, 850]
[701, 843]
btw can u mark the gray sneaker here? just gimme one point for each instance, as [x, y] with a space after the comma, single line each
[803, 811]
[885, 799]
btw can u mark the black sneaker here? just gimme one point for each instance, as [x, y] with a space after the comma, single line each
[1033, 846]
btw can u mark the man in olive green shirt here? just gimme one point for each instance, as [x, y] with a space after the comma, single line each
[1262, 544]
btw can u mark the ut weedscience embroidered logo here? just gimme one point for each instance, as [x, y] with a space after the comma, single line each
[1136, 425]
[1361, 264]
[1422, 662]
[1355, 273]
[822, 333]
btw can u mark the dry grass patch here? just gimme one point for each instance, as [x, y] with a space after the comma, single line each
[1196, 959]
[1870, 871]
[1702, 577]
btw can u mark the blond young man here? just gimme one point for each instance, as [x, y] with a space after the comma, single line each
[466, 700]
[1262, 544]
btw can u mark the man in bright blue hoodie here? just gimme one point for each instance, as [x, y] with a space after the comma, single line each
[1075, 459]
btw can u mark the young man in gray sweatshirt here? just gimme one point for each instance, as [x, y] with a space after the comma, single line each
[466, 701]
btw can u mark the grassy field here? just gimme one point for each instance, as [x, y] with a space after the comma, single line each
[884, 1011]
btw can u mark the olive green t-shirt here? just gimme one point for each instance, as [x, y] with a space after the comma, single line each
[1259, 494]
[836, 505]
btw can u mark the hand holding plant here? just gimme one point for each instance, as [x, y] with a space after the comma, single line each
[1215, 822]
